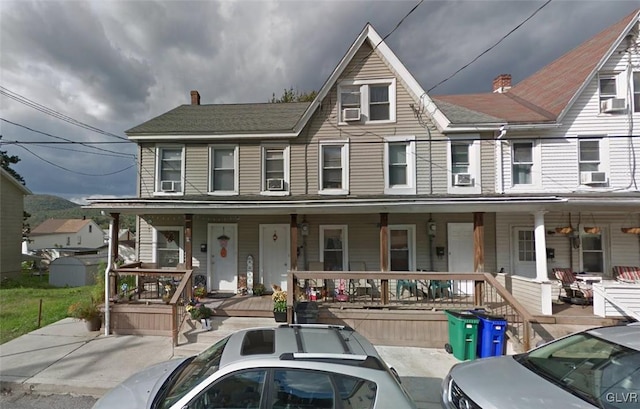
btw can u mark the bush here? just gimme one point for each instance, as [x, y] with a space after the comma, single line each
[258, 289]
[199, 311]
[84, 310]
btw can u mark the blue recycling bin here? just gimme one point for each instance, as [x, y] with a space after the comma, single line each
[491, 331]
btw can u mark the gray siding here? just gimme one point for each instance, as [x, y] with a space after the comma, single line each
[196, 169]
[11, 208]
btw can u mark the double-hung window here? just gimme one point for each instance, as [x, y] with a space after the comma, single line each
[592, 253]
[170, 170]
[592, 161]
[333, 251]
[522, 163]
[589, 155]
[334, 167]
[402, 240]
[636, 91]
[463, 161]
[275, 170]
[374, 100]
[608, 90]
[224, 170]
[168, 246]
[400, 165]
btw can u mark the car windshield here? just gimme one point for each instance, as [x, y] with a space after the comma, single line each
[200, 367]
[601, 372]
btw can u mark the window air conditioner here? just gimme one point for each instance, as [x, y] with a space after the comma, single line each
[168, 186]
[613, 105]
[275, 184]
[462, 179]
[590, 178]
[351, 114]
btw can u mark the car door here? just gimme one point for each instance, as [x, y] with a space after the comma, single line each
[242, 389]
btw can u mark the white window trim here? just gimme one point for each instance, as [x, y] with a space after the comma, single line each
[157, 191]
[536, 182]
[604, 157]
[619, 93]
[474, 164]
[411, 234]
[345, 242]
[287, 173]
[154, 247]
[364, 99]
[236, 162]
[345, 167]
[410, 187]
[606, 244]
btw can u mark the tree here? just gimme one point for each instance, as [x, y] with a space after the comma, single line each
[291, 95]
[6, 161]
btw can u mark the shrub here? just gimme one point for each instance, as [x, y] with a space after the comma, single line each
[84, 310]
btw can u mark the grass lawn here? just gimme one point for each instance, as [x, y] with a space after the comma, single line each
[20, 303]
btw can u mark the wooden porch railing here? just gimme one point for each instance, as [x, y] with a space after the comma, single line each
[434, 291]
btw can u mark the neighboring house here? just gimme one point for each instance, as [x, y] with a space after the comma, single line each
[375, 163]
[12, 195]
[66, 233]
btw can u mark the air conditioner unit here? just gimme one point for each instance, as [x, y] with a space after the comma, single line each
[351, 114]
[592, 178]
[168, 186]
[275, 184]
[613, 105]
[462, 179]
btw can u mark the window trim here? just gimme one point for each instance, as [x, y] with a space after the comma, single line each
[474, 164]
[364, 100]
[634, 92]
[601, 97]
[535, 165]
[410, 150]
[236, 173]
[158, 152]
[411, 236]
[154, 244]
[604, 240]
[603, 150]
[345, 242]
[345, 167]
[286, 155]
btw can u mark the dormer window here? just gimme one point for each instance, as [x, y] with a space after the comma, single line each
[367, 101]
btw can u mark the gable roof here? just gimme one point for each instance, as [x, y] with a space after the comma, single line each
[545, 96]
[55, 226]
[12, 180]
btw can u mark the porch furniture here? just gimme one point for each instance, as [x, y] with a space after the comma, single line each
[627, 274]
[440, 288]
[402, 285]
[361, 286]
[589, 278]
[577, 292]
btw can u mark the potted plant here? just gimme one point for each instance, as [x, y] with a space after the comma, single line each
[258, 289]
[279, 298]
[201, 312]
[200, 292]
[88, 311]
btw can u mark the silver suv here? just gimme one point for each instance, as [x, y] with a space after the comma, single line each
[597, 368]
[290, 366]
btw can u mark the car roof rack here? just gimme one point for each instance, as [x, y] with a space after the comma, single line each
[365, 361]
[340, 327]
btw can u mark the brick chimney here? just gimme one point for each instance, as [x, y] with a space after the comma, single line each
[195, 98]
[502, 83]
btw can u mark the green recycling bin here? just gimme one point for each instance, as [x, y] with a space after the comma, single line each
[463, 334]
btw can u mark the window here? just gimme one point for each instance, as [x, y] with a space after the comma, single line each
[522, 163]
[168, 246]
[333, 251]
[400, 165]
[526, 245]
[589, 155]
[592, 253]
[334, 167]
[463, 161]
[636, 92]
[224, 170]
[90, 228]
[374, 98]
[402, 248]
[302, 389]
[79, 240]
[608, 88]
[68, 241]
[238, 390]
[275, 170]
[170, 170]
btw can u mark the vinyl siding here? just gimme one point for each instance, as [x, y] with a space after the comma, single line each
[624, 294]
[11, 205]
[147, 174]
[250, 169]
[196, 169]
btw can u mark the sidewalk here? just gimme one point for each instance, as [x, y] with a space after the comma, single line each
[64, 358]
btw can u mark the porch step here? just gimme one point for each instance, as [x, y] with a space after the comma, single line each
[193, 339]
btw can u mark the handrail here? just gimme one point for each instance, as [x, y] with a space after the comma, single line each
[184, 289]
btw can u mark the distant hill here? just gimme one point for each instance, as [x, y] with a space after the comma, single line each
[43, 207]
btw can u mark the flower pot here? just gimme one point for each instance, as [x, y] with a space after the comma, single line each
[93, 324]
[206, 324]
[280, 316]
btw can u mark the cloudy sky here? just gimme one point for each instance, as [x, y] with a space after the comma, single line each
[111, 65]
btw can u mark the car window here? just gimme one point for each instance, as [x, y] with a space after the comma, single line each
[239, 390]
[302, 389]
[604, 373]
[355, 393]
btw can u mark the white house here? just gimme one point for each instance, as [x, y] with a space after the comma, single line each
[66, 233]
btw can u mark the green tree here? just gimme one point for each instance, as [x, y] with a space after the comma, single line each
[6, 161]
[291, 95]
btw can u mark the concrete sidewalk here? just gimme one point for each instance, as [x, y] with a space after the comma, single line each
[64, 358]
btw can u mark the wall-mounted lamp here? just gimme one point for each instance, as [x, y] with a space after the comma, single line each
[304, 228]
[431, 228]
[203, 248]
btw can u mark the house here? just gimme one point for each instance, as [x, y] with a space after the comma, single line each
[11, 219]
[377, 173]
[66, 233]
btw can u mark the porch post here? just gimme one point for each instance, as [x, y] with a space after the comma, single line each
[384, 256]
[113, 278]
[541, 247]
[188, 241]
[293, 266]
[478, 253]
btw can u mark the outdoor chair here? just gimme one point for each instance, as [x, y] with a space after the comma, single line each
[360, 286]
[577, 292]
[440, 288]
[627, 274]
[402, 285]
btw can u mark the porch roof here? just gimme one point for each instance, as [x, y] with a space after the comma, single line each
[257, 204]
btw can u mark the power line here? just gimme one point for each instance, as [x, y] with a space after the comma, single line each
[490, 48]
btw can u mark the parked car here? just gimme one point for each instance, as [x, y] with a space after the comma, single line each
[289, 366]
[597, 368]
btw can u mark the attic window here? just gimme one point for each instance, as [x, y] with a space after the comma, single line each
[368, 101]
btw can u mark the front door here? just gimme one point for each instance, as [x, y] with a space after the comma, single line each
[461, 253]
[223, 257]
[524, 252]
[274, 254]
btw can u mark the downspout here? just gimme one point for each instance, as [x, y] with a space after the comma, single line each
[107, 315]
[503, 132]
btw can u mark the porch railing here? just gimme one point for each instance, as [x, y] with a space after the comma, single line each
[435, 291]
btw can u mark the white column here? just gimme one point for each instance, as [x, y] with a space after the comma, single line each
[541, 247]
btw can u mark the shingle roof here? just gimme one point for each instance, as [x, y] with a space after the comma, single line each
[218, 119]
[543, 96]
[53, 226]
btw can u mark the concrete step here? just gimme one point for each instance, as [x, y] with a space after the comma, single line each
[193, 339]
